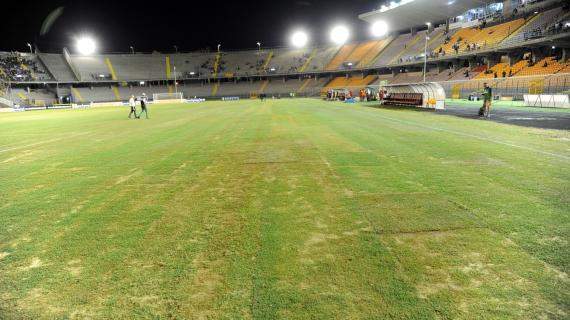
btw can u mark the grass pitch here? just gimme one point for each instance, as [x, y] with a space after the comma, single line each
[293, 209]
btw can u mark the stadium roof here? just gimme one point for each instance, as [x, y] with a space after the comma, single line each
[413, 13]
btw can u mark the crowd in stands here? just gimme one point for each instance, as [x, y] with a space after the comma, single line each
[14, 67]
[560, 24]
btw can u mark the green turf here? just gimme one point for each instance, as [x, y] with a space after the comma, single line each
[293, 209]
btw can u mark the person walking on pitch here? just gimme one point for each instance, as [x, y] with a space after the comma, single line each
[144, 109]
[485, 110]
[133, 106]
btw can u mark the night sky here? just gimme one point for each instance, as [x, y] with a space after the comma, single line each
[191, 25]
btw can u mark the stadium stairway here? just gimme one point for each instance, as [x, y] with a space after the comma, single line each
[264, 84]
[111, 68]
[215, 89]
[343, 53]
[374, 52]
[167, 67]
[267, 61]
[408, 46]
[304, 85]
[117, 93]
[308, 62]
[395, 46]
[77, 95]
[360, 52]
[217, 66]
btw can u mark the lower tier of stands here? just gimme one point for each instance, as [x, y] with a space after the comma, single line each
[545, 76]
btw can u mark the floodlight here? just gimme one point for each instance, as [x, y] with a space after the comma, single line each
[299, 39]
[339, 34]
[86, 46]
[379, 28]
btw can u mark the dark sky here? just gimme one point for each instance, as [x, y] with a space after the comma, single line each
[191, 25]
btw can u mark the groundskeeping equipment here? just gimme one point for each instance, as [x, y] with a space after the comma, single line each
[168, 97]
[429, 95]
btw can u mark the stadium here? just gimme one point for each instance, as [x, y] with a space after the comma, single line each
[416, 170]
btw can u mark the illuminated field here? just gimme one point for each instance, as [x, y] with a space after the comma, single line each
[292, 209]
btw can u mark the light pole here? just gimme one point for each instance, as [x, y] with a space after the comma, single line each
[132, 49]
[425, 50]
[259, 46]
[175, 83]
[219, 46]
[30, 45]
[176, 48]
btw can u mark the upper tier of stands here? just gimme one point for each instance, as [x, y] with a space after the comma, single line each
[21, 67]
[391, 51]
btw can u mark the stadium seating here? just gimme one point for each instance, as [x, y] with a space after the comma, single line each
[349, 82]
[373, 53]
[287, 70]
[536, 23]
[497, 70]
[415, 50]
[57, 66]
[92, 68]
[464, 39]
[548, 65]
[291, 61]
[394, 48]
[361, 51]
[22, 67]
[341, 57]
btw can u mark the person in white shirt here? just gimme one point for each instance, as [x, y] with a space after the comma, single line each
[133, 106]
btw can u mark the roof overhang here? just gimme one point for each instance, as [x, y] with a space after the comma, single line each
[417, 12]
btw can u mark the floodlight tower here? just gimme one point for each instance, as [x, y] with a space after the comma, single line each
[299, 39]
[86, 46]
[379, 29]
[339, 34]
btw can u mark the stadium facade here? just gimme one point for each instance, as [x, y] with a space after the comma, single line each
[518, 47]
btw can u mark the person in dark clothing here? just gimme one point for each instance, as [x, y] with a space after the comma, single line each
[485, 110]
[144, 109]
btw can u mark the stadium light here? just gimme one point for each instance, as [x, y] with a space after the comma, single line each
[86, 46]
[299, 39]
[379, 28]
[339, 34]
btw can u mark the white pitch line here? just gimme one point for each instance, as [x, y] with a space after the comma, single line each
[39, 143]
[29, 145]
[556, 155]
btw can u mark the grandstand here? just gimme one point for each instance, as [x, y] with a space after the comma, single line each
[485, 47]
